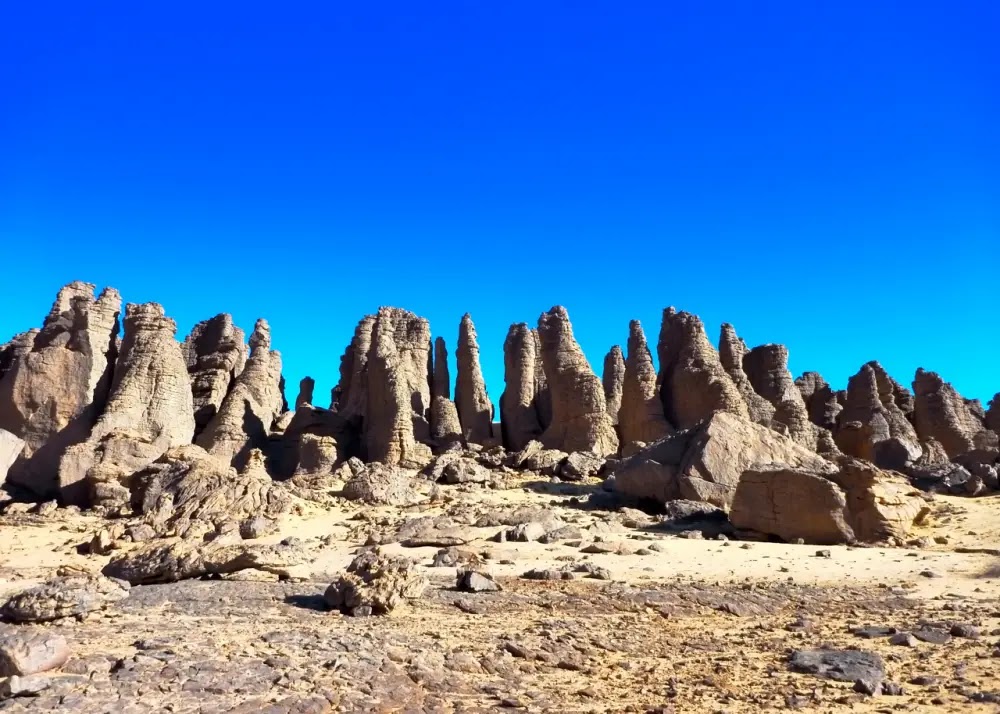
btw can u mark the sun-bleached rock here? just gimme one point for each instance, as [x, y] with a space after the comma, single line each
[475, 413]
[732, 351]
[640, 418]
[580, 421]
[215, 353]
[767, 368]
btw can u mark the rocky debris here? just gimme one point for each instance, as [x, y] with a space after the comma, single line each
[693, 383]
[397, 403]
[683, 516]
[251, 407]
[476, 581]
[383, 485]
[613, 379]
[821, 401]
[839, 665]
[446, 429]
[56, 389]
[858, 502]
[580, 465]
[640, 418]
[872, 425]
[519, 416]
[215, 353]
[940, 413]
[375, 584]
[732, 352]
[187, 484]
[454, 468]
[10, 449]
[315, 441]
[25, 652]
[186, 559]
[705, 463]
[535, 457]
[580, 421]
[475, 413]
[767, 369]
[63, 597]
[149, 410]
[305, 396]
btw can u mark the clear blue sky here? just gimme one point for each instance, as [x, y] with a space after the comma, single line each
[825, 175]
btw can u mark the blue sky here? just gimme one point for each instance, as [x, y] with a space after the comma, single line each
[826, 177]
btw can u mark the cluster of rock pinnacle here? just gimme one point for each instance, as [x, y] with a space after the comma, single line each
[93, 406]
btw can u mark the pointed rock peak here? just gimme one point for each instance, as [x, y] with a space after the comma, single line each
[261, 337]
[442, 376]
[305, 396]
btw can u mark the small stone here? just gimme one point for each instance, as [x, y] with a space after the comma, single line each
[868, 686]
[473, 581]
[933, 637]
[929, 574]
[824, 553]
[903, 639]
[925, 680]
[871, 633]
[28, 686]
[892, 689]
[969, 632]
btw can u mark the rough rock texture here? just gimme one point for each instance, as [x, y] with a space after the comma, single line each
[252, 405]
[993, 414]
[475, 412]
[857, 502]
[613, 379]
[705, 463]
[315, 441]
[352, 391]
[940, 413]
[54, 393]
[63, 597]
[150, 410]
[10, 449]
[767, 368]
[821, 401]
[305, 395]
[640, 418]
[446, 430]
[580, 421]
[185, 559]
[30, 652]
[383, 485]
[693, 383]
[519, 419]
[375, 584]
[187, 484]
[543, 397]
[391, 414]
[12, 352]
[872, 425]
[215, 353]
[732, 352]
[411, 337]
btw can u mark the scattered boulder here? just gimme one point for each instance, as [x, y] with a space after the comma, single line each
[640, 418]
[475, 412]
[475, 581]
[839, 665]
[580, 465]
[613, 379]
[63, 597]
[374, 584]
[383, 485]
[519, 416]
[535, 457]
[215, 353]
[25, 652]
[580, 421]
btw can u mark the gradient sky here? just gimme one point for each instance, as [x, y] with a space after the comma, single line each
[827, 177]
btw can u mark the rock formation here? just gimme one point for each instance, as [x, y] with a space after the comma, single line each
[940, 413]
[150, 409]
[446, 430]
[252, 405]
[580, 421]
[993, 414]
[732, 351]
[315, 441]
[55, 391]
[215, 353]
[767, 368]
[475, 413]
[11, 352]
[821, 401]
[519, 419]
[10, 449]
[391, 419]
[543, 398]
[305, 395]
[613, 379]
[693, 383]
[352, 400]
[640, 419]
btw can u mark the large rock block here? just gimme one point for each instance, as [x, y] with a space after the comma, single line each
[940, 413]
[215, 353]
[519, 408]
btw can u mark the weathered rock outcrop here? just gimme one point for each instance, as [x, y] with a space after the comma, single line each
[613, 379]
[150, 410]
[391, 417]
[767, 368]
[446, 430]
[732, 351]
[640, 418]
[374, 584]
[857, 502]
[475, 412]
[186, 484]
[315, 441]
[10, 449]
[580, 421]
[55, 391]
[253, 404]
[821, 401]
[380, 484]
[13, 351]
[352, 391]
[63, 597]
[305, 395]
[543, 397]
[940, 413]
[215, 353]
[993, 414]
[706, 463]
[872, 426]
[519, 418]
[693, 383]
